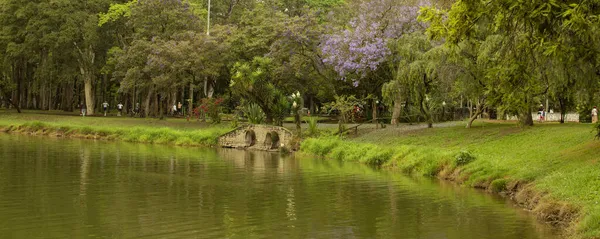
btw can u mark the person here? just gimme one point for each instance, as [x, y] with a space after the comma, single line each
[174, 109]
[137, 108]
[120, 108]
[594, 115]
[105, 106]
[83, 109]
[179, 105]
[543, 115]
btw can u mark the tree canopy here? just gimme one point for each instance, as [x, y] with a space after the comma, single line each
[421, 58]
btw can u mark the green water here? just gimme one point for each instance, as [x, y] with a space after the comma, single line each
[57, 188]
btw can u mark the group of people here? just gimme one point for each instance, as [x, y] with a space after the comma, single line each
[177, 109]
[542, 113]
[105, 105]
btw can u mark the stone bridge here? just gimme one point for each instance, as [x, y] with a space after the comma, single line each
[259, 137]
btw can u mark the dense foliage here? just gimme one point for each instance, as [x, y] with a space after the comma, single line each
[426, 60]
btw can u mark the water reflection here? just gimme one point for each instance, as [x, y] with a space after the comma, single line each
[75, 189]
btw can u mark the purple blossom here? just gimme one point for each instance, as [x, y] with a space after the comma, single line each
[363, 46]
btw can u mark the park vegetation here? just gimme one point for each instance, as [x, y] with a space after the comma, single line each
[420, 58]
[270, 60]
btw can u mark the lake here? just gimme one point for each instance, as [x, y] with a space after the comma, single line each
[64, 188]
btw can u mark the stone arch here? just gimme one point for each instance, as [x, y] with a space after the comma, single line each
[272, 140]
[250, 138]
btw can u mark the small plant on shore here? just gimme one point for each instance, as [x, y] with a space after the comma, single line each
[498, 185]
[35, 125]
[312, 126]
[463, 158]
[254, 113]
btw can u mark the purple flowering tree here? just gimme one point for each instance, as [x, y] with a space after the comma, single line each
[361, 51]
[360, 48]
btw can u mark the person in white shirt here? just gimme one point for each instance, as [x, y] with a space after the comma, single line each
[120, 108]
[594, 115]
[105, 106]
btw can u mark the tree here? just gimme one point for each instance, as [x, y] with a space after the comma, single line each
[159, 57]
[253, 81]
[360, 52]
[532, 37]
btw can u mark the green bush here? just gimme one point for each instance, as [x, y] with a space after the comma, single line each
[463, 158]
[254, 113]
[312, 126]
[377, 156]
[498, 185]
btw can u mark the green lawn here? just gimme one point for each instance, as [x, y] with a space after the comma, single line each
[110, 121]
[558, 163]
[176, 131]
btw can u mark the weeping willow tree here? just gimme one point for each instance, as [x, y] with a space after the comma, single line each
[541, 48]
[417, 78]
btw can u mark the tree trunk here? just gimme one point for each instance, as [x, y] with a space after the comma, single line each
[208, 89]
[397, 109]
[12, 102]
[478, 111]
[156, 106]
[526, 119]
[160, 101]
[374, 110]
[147, 101]
[89, 94]
[563, 109]
[86, 63]
[268, 115]
[191, 100]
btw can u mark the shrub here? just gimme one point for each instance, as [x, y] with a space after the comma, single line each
[463, 158]
[498, 185]
[212, 108]
[377, 156]
[312, 126]
[254, 113]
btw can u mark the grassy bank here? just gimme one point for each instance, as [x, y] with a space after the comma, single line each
[172, 131]
[551, 169]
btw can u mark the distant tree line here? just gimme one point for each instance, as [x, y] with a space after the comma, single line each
[419, 58]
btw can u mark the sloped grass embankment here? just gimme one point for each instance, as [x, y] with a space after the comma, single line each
[551, 169]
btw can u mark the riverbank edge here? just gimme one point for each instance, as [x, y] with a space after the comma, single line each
[195, 138]
[450, 165]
